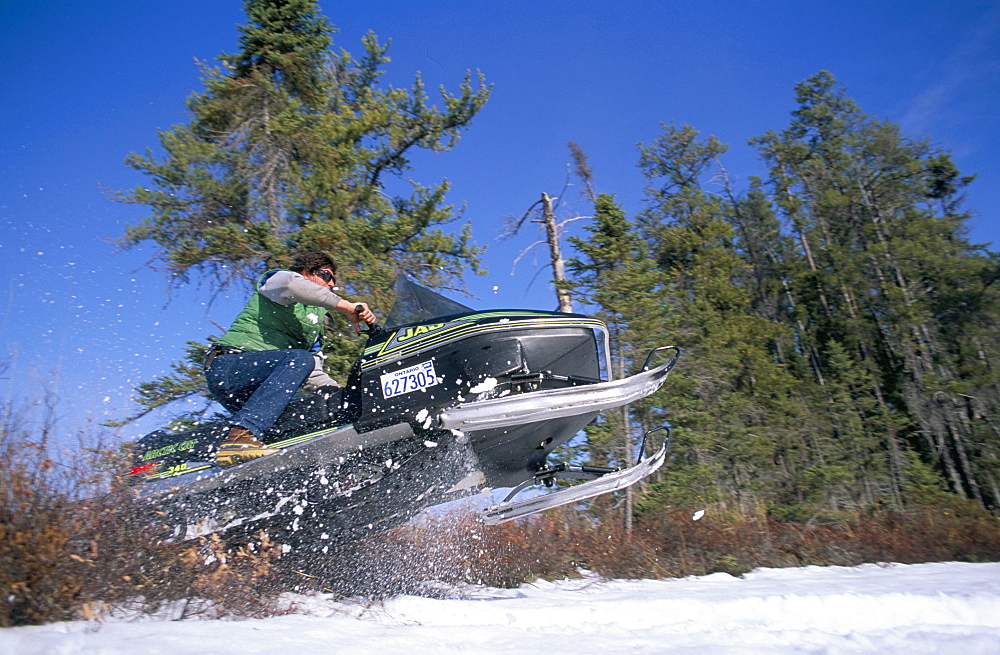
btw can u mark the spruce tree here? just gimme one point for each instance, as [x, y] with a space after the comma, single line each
[291, 147]
[738, 417]
[883, 264]
[613, 277]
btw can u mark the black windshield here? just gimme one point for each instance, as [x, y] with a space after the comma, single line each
[415, 304]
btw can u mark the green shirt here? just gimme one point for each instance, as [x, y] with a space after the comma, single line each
[268, 325]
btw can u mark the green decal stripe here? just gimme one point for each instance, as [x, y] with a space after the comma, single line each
[279, 445]
[477, 317]
[173, 474]
[305, 437]
[432, 339]
[435, 338]
[297, 440]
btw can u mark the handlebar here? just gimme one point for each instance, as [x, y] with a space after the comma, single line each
[371, 329]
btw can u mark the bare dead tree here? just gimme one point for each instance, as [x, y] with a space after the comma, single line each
[583, 170]
[544, 213]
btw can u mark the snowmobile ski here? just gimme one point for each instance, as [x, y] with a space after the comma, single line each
[606, 482]
[556, 403]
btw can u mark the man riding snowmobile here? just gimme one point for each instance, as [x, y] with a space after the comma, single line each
[443, 402]
[273, 349]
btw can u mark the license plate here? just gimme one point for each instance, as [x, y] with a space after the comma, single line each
[414, 378]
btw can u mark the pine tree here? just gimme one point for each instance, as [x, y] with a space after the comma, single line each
[613, 276]
[740, 424]
[884, 259]
[291, 148]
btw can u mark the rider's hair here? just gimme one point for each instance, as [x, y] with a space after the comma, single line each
[310, 262]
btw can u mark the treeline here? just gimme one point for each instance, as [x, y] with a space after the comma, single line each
[840, 330]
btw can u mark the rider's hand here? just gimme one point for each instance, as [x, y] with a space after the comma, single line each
[356, 313]
[365, 314]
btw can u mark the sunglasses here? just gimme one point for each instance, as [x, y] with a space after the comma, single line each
[326, 275]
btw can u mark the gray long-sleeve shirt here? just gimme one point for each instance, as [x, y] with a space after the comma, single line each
[287, 287]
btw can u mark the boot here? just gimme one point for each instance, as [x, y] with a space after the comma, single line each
[239, 447]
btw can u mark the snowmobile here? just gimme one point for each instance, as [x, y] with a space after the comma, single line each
[444, 402]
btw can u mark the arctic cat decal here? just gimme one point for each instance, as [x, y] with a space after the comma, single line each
[169, 450]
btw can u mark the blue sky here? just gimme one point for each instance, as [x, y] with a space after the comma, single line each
[85, 83]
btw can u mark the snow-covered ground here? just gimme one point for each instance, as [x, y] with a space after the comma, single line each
[921, 608]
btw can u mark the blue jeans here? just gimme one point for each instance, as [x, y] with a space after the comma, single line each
[257, 386]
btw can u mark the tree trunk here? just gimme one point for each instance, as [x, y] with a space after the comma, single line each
[555, 252]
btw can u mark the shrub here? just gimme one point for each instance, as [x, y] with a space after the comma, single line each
[75, 542]
[73, 538]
